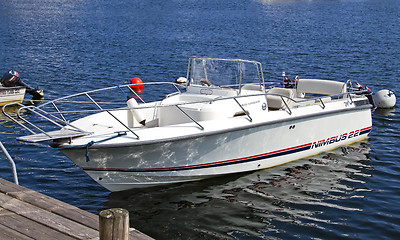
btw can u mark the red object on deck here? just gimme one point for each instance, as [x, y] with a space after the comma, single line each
[138, 88]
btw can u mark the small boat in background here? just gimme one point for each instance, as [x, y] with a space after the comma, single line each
[13, 89]
[222, 118]
[11, 94]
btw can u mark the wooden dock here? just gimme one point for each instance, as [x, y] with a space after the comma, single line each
[26, 214]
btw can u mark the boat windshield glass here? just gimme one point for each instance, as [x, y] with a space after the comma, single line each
[224, 72]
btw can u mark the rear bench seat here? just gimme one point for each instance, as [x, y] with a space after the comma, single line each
[323, 87]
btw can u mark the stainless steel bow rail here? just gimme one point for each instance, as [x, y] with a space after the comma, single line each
[65, 130]
[58, 119]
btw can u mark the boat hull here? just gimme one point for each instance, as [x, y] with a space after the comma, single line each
[258, 146]
[11, 94]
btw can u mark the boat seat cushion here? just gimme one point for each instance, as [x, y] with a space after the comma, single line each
[323, 87]
[275, 102]
[253, 87]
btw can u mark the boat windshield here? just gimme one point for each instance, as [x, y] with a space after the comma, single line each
[231, 73]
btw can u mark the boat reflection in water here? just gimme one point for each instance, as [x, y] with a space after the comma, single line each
[312, 194]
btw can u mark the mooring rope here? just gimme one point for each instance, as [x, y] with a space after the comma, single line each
[89, 144]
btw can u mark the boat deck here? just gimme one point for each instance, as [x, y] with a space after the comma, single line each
[26, 214]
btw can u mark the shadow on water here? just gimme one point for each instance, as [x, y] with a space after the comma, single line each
[307, 196]
[385, 111]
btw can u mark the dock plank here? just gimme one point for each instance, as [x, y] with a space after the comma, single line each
[48, 219]
[8, 233]
[27, 214]
[50, 204]
[27, 227]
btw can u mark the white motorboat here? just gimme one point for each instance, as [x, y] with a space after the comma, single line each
[224, 120]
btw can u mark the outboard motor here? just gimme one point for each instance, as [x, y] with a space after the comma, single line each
[286, 81]
[365, 90]
[12, 79]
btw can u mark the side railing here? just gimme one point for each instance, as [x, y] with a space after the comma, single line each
[59, 120]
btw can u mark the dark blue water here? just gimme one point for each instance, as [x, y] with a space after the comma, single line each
[351, 192]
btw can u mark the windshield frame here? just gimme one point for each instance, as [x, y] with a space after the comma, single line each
[200, 75]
